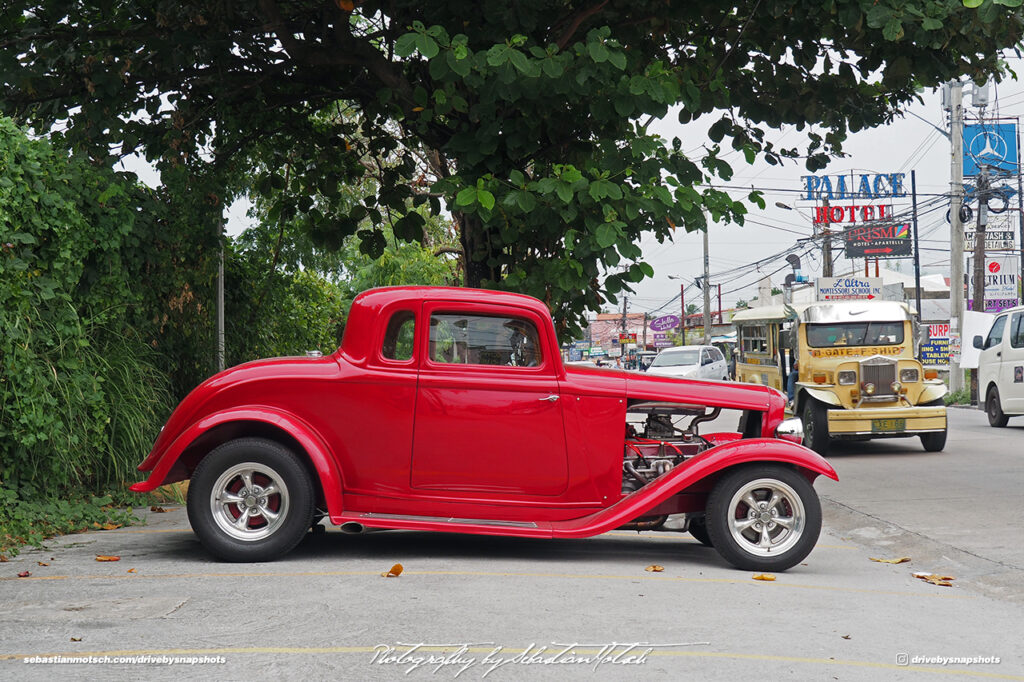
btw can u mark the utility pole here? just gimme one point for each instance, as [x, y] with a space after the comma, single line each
[978, 276]
[917, 247]
[956, 232]
[707, 291]
[220, 296]
[826, 243]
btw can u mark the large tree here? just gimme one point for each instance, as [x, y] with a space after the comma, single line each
[528, 119]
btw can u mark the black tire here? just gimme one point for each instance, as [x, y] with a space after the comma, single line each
[786, 547]
[243, 469]
[994, 409]
[699, 530]
[934, 442]
[815, 419]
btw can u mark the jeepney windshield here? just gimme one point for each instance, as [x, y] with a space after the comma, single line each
[854, 334]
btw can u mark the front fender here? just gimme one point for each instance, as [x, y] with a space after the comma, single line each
[827, 397]
[932, 392]
[691, 472]
[315, 448]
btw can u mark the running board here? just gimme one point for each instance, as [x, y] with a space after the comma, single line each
[447, 520]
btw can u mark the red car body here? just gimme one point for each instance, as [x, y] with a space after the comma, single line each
[474, 448]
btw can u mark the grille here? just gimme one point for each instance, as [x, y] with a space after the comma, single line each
[880, 372]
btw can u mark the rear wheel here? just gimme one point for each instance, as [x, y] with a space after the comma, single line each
[250, 499]
[815, 418]
[763, 517]
[994, 409]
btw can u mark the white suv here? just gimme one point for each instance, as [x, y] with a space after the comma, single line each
[691, 362]
[1001, 367]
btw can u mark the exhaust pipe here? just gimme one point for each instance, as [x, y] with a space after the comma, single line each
[352, 528]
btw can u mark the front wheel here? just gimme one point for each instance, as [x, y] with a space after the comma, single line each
[763, 517]
[816, 426]
[250, 499]
[994, 409]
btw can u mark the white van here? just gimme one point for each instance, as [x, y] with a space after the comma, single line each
[1001, 367]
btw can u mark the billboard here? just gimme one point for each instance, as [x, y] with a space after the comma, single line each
[890, 240]
[1000, 282]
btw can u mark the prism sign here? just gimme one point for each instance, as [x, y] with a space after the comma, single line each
[849, 288]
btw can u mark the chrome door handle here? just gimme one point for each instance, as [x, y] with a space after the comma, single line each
[550, 398]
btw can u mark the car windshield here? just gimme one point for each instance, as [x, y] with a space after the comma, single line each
[854, 334]
[677, 358]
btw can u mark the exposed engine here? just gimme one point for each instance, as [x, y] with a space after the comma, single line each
[652, 451]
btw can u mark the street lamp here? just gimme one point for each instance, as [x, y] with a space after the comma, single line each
[682, 308]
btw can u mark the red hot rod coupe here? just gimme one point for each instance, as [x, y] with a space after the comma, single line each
[451, 410]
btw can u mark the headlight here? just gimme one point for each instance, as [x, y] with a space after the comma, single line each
[847, 377]
[896, 387]
[908, 376]
[791, 430]
[869, 388]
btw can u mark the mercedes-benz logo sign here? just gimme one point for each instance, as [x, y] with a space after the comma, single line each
[988, 147]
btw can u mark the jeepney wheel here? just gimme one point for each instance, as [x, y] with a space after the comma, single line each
[934, 442]
[815, 418]
[250, 499]
[994, 409]
[763, 517]
[699, 530]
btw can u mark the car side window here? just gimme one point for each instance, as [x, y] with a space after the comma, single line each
[1017, 331]
[484, 340]
[705, 357]
[399, 335]
[995, 336]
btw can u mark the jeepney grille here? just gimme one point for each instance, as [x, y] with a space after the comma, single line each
[880, 372]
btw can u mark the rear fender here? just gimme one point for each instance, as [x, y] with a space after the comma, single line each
[313, 446]
[692, 473]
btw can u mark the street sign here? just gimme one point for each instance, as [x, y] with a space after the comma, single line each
[990, 144]
[994, 241]
[665, 322]
[661, 340]
[878, 241]
[849, 288]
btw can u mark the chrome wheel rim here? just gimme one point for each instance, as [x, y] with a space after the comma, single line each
[766, 517]
[249, 501]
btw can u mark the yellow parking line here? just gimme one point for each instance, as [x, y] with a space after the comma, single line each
[490, 574]
[659, 653]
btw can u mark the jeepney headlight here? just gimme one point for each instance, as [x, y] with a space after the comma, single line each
[896, 387]
[869, 388]
[909, 376]
[847, 377]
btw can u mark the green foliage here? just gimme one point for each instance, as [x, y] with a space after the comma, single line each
[80, 397]
[30, 522]
[529, 119]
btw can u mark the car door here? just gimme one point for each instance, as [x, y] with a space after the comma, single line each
[488, 409]
[1011, 366]
[990, 358]
[707, 365]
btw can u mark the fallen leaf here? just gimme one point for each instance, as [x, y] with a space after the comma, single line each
[900, 560]
[654, 568]
[3, 559]
[935, 579]
[395, 571]
[131, 570]
[24, 574]
[42, 563]
[764, 576]
[103, 557]
[76, 639]
[158, 510]
[846, 637]
[110, 526]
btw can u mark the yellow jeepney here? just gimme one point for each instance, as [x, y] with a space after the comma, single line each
[859, 376]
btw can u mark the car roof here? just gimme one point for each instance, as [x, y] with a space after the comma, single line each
[690, 347]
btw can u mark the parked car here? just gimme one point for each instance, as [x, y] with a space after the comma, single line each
[451, 410]
[691, 362]
[1001, 367]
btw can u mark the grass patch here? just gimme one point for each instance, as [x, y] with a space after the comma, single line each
[31, 521]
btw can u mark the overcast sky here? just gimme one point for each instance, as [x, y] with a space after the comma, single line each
[907, 144]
